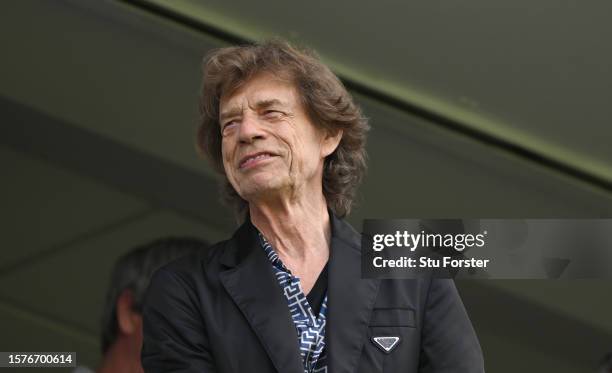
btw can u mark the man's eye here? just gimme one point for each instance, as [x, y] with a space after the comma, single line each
[228, 125]
[272, 113]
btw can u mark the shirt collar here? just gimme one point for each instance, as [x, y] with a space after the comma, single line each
[271, 253]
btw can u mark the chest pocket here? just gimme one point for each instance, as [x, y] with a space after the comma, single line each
[393, 342]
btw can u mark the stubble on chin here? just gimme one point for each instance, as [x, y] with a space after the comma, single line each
[259, 188]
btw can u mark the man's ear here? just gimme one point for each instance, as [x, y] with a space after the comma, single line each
[330, 142]
[126, 315]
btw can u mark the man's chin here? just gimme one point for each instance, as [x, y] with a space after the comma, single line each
[262, 190]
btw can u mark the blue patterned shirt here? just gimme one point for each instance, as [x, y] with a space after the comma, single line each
[310, 329]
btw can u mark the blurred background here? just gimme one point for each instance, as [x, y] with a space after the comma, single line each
[478, 109]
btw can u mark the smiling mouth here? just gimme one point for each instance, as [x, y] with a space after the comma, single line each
[251, 160]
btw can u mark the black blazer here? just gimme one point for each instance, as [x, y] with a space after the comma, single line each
[222, 310]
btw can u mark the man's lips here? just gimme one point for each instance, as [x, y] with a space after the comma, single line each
[251, 159]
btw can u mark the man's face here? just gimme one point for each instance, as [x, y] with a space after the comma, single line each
[269, 145]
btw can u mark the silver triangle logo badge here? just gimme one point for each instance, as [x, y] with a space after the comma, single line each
[387, 344]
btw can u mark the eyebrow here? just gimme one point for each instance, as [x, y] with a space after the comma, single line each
[261, 104]
[233, 112]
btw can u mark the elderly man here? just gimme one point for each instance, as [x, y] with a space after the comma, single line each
[285, 294]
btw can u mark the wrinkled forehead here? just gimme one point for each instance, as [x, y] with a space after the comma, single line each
[263, 86]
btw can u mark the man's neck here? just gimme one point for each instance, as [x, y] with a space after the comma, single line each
[296, 230]
[300, 236]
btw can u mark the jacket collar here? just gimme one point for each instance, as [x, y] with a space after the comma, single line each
[350, 298]
[242, 244]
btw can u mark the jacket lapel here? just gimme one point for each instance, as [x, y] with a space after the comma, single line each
[350, 299]
[251, 283]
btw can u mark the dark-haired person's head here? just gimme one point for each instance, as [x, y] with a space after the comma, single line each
[121, 317]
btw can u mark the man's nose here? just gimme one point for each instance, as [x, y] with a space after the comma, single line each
[250, 129]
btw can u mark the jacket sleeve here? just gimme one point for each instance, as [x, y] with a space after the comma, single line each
[448, 343]
[174, 337]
